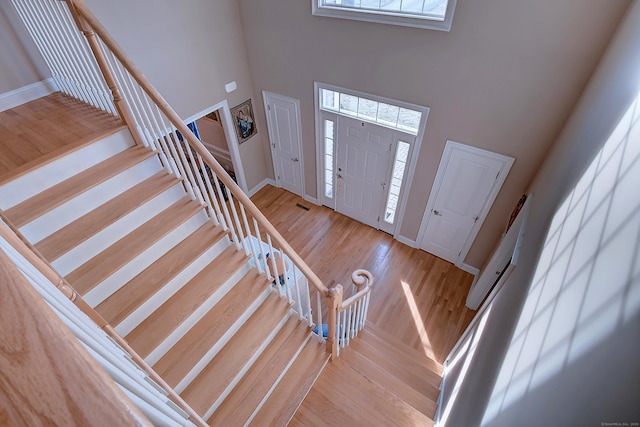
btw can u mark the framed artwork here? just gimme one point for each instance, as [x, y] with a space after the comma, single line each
[244, 120]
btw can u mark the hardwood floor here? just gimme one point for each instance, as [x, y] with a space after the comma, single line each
[417, 297]
[47, 127]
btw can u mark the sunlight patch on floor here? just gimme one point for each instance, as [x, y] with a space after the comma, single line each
[415, 313]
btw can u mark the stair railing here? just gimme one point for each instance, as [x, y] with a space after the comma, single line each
[351, 313]
[96, 70]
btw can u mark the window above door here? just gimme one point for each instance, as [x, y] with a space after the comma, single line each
[428, 14]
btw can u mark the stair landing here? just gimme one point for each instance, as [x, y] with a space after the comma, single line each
[377, 380]
[49, 127]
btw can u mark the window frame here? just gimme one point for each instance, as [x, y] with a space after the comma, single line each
[386, 17]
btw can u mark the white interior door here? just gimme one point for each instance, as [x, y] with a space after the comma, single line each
[467, 182]
[363, 157]
[283, 121]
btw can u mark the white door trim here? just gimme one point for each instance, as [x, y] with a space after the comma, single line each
[448, 149]
[228, 127]
[296, 103]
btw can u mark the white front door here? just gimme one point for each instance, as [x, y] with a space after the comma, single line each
[283, 121]
[467, 182]
[363, 154]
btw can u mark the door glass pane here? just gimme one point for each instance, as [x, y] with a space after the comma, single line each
[329, 99]
[328, 158]
[399, 166]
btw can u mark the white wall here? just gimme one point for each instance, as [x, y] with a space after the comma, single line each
[504, 79]
[560, 346]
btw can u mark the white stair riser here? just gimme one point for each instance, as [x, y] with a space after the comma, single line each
[136, 265]
[55, 172]
[117, 230]
[224, 339]
[171, 287]
[194, 317]
[84, 203]
[247, 366]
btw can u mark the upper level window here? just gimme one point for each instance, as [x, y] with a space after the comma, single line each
[431, 14]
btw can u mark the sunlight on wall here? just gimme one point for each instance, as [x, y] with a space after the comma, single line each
[417, 318]
[465, 353]
[587, 281]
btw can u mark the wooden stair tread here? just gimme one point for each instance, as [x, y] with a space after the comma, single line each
[425, 403]
[193, 346]
[61, 152]
[339, 383]
[91, 273]
[400, 350]
[166, 318]
[280, 407]
[80, 230]
[238, 407]
[128, 298]
[209, 385]
[409, 371]
[58, 194]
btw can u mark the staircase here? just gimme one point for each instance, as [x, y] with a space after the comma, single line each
[377, 380]
[128, 238]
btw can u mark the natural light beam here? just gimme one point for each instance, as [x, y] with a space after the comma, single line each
[417, 319]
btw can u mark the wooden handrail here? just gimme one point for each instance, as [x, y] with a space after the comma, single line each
[363, 281]
[13, 236]
[195, 143]
[48, 376]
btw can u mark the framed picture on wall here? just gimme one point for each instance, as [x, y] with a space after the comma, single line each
[244, 120]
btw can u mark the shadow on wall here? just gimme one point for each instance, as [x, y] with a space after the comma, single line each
[577, 336]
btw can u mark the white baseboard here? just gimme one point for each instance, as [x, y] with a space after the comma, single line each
[26, 94]
[261, 185]
[469, 269]
[406, 241]
[311, 199]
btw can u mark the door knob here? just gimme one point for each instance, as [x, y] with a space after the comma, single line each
[295, 159]
[339, 175]
[437, 212]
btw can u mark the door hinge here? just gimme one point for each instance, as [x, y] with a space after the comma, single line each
[273, 144]
[390, 146]
[269, 107]
[497, 175]
[475, 218]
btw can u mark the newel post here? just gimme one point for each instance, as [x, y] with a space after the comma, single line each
[334, 299]
[121, 105]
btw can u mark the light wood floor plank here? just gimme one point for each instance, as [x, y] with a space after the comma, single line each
[45, 127]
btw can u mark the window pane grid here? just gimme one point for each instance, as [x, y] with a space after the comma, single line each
[369, 110]
[399, 165]
[328, 155]
[429, 9]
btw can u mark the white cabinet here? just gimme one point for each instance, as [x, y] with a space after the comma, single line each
[297, 282]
